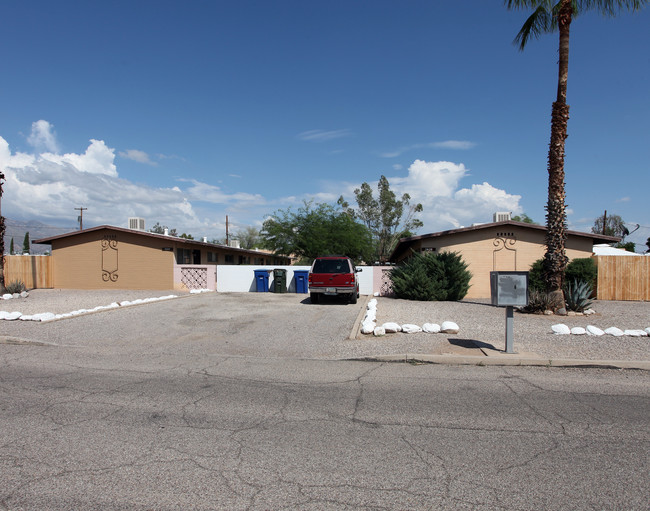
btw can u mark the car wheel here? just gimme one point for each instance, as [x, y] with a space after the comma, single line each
[353, 298]
[313, 297]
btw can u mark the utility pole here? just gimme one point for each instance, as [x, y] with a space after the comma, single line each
[227, 240]
[604, 221]
[2, 237]
[81, 217]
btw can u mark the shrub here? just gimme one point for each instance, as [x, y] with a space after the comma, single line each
[15, 286]
[536, 276]
[431, 277]
[582, 270]
[576, 294]
[538, 301]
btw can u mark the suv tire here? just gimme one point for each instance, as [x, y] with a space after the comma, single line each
[313, 297]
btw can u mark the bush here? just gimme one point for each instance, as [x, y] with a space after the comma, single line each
[582, 270]
[431, 277]
[15, 286]
[536, 276]
[538, 302]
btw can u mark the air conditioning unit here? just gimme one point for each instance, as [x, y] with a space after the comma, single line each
[501, 216]
[136, 224]
[233, 243]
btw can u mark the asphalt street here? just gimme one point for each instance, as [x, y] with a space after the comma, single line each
[141, 409]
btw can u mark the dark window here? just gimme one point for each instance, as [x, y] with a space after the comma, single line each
[230, 259]
[331, 266]
[196, 257]
[213, 257]
[183, 256]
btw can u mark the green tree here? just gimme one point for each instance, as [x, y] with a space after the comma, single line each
[11, 246]
[524, 218]
[386, 217]
[550, 16]
[647, 244]
[26, 243]
[249, 237]
[630, 246]
[160, 229]
[186, 236]
[314, 231]
[611, 225]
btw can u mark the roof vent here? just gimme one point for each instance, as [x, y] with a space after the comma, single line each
[501, 216]
[136, 224]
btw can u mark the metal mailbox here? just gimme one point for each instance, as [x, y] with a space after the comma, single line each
[509, 288]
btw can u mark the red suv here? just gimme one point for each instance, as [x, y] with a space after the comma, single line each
[333, 276]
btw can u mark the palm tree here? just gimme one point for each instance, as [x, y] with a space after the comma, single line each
[2, 238]
[549, 16]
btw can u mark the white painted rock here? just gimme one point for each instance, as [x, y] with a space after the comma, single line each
[367, 327]
[371, 315]
[391, 328]
[10, 316]
[379, 331]
[24, 294]
[635, 333]
[449, 327]
[411, 329]
[561, 329]
[7, 296]
[372, 304]
[594, 330]
[578, 330]
[431, 328]
[44, 316]
[647, 331]
[589, 312]
[616, 332]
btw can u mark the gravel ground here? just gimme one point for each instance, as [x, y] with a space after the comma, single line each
[478, 321]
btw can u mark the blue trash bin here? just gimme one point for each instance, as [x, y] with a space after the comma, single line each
[302, 281]
[262, 281]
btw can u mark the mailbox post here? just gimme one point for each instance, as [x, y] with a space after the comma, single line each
[509, 289]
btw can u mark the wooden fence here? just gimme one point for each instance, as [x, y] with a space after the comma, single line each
[33, 271]
[623, 278]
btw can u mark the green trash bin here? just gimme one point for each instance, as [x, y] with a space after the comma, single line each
[279, 280]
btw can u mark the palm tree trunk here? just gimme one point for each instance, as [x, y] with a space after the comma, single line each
[555, 259]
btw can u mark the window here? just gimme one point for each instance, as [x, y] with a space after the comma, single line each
[230, 259]
[183, 256]
[213, 257]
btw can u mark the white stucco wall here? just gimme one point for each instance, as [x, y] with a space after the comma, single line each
[241, 278]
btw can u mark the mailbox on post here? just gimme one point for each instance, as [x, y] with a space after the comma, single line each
[509, 289]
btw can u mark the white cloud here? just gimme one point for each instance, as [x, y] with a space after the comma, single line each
[43, 137]
[436, 185]
[137, 155]
[98, 159]
[447, 144]
[322, 135]
[454, 144]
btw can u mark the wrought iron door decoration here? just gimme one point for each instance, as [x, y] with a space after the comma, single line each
[109, 259]
[504, 241]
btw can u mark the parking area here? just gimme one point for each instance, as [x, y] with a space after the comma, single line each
[196, 326]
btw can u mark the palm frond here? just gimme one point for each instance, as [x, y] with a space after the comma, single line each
[540, 22]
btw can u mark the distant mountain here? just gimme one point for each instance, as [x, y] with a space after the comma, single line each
[16, 229]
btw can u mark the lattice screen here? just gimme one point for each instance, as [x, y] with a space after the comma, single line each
[195, 278]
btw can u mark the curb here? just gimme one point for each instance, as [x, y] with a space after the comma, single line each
[357, 324]
[507, 360]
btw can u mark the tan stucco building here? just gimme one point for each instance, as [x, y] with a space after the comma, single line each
[108, 257]
[498, 246]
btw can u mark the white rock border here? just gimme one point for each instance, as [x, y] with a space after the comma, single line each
[49, 316]
[369, 325]
[591, 330]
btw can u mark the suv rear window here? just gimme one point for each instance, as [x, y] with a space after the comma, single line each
[331, 266]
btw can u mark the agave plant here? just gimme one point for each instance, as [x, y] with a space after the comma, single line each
[577, 295]
[15, 286]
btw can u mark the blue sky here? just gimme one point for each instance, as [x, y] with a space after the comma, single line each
[185, 112]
